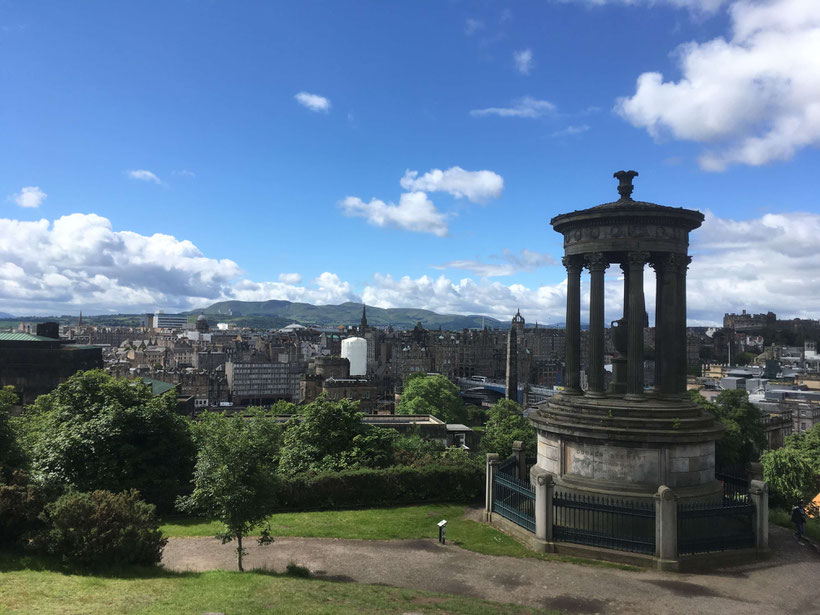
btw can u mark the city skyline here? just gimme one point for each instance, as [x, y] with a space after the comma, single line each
[173, 155]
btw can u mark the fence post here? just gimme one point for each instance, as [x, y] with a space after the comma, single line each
[492, 467]
[754, 471]
[544, 490]
[666, 528]
[520, 460]
[759, 492]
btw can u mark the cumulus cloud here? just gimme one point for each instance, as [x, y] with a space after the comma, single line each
[511, 263]
[527, 107]
[753, 98]
[314, 102]
[415, 212]
[477, 186]
[290, 278]
[523, 61]
[144, 175]
[29, 196]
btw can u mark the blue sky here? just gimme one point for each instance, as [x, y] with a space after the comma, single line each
[173, 154]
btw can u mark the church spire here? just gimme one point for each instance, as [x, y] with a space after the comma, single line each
[364, 316]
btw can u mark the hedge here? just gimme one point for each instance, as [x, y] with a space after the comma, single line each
[387, 487]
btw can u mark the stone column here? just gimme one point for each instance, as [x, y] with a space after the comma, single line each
[572, 384]
[544, 490]
[666, 528]
[759, 492]
[597, 265]
[669, 327]
[657, 265]
[637, 310]
[520, 460]
[682, 363]
[492, 466]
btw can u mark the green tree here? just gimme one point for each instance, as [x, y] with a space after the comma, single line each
[98, 432]
[235, 474]
[11, 453]
[807, 443]
[506, 425]
[745, 435]
[790, 475]
[328, 436]
[434, 395]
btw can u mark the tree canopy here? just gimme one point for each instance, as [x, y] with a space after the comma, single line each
[505, 425]
[11, 454]
[235, 474]
[435, 395]
[327, 436]
[745, 435]
[790, 475]
[98, 432]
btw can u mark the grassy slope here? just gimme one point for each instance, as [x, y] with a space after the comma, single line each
[155, 591]
[408, 522]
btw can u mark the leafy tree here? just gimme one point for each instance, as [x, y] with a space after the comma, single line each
[235, 474]
[434, 395]
[506, 425]
[328, 436]
[283, 407]
[790, 475]
[476, 416]
[745, 435]
[807, 443]
[11, 454]
[98, 432]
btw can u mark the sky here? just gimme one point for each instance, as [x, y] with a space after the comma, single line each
[171, 154]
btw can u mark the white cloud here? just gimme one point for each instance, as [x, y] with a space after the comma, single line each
[471, 26]
[144, 175]
[290, 278]
[570, 131]
[328, 288]
[527, 107]
[754, 98]
[29, 196]
[523, 61]
[314, 102]
[511, 263]
[184, 173]
[477, 186]
[697, 6]
[415, 212]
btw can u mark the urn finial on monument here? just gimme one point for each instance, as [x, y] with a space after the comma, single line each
[625, 186]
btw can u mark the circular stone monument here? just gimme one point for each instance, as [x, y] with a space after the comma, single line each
[624, 440]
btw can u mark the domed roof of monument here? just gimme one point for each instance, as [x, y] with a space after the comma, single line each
[201, 318]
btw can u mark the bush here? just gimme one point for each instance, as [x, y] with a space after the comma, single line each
[389, 487]
[101, 529]
[20, 507]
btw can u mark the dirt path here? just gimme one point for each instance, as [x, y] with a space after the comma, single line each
[785, 583]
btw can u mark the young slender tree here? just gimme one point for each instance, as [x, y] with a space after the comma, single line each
[506, 425]
[235, 475]
[434, 395]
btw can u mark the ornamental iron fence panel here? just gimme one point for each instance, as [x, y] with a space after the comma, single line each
[716, 526]
[601, 521]
[514, 499]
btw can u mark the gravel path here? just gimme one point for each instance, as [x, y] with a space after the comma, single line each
[785, 583]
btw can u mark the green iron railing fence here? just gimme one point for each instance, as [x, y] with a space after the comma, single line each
[704, 527]
[606, 522]
[513, 499]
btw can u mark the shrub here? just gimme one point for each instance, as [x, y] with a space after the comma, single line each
[20, 507]
[388, 487]
[101, 529]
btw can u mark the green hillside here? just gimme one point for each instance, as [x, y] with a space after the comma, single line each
[344, 314]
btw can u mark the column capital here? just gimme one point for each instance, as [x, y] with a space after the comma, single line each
[637, 259]
[595, 261]
[573, 264]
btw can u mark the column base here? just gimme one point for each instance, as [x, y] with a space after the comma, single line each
[595, 394]
[635, 397]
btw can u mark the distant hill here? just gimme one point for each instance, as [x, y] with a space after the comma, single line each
[285, 312]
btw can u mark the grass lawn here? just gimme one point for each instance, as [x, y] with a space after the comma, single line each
[784, 518]
[407, 522]
[28, 586]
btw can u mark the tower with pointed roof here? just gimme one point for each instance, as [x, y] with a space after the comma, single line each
[364, 317]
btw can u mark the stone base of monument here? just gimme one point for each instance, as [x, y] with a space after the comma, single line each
[616, 447]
